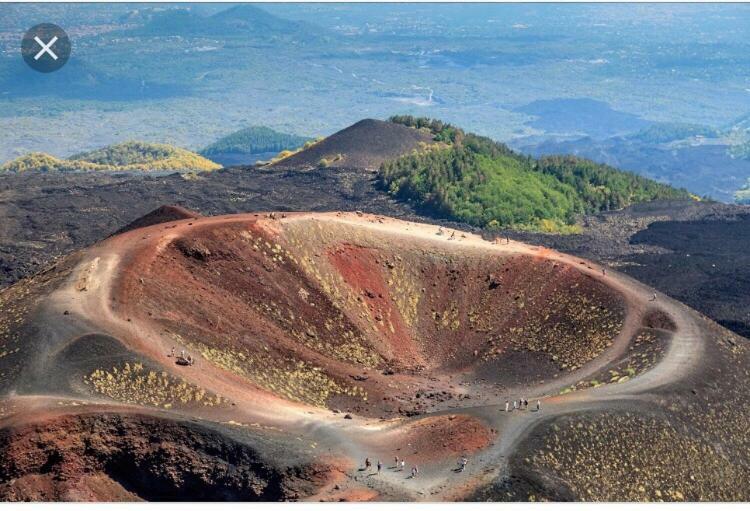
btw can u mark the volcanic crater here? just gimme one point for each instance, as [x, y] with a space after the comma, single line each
[333, 336]
[331, 312]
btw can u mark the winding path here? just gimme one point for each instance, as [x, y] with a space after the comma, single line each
[95, 313]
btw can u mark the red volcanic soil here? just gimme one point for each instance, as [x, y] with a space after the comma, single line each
[115, 457]
[321, 311]
[358, 267]
[435, 439]
[317, 340]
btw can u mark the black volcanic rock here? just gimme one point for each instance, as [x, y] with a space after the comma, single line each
[364, 145]
[160, 215]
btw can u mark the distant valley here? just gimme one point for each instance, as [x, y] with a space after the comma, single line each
[190, 75]
[708, 161]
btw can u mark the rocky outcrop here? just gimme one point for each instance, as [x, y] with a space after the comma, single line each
[132, 457]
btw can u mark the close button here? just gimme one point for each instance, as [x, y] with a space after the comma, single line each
[45, 47]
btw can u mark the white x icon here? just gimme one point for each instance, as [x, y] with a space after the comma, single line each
[46, 48]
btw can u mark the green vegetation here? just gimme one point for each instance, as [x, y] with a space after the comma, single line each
[482, 182]
[601, 187]
[127, 156]
[43, 162]
[667, 132]
[254, 140]
[328, 160]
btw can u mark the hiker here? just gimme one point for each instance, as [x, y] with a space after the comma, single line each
[538, 405]
[414, 471]
[183, 354]
[507, 405]
[462, 464]
[507, 239]
[380, 466]
[403, 465]
[604, 271]
[395, 459]
[368, 464]
[189, 360]
[515, 406]
[172, 354]
[525, 403]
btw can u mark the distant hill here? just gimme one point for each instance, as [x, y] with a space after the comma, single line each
[43, 162]
[246, 20]
[473, 179]
[254, 140]
[177, 21]
[664, 132]
[366, 144]
[571, 116]
[252, 19]
[127, 156]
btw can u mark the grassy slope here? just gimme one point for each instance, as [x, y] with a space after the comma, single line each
[482, 182]
[254, 140]
[127, 156]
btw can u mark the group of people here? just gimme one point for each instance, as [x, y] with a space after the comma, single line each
[400, 466]
[522, 404]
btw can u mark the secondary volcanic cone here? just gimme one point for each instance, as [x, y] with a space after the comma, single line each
[310, 341]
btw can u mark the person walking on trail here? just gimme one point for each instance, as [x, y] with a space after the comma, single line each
[515, 405]
[653, 298]
[525, 403]
[396, 461]
[538, 405]
[604, 272]
[462, 464]
[368, 463]
[507, 405]
[172, 354]
[414, 471]
[380, 466]
[182, 353]
[403, 465]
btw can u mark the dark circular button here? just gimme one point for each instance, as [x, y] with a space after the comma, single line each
[45, 47]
